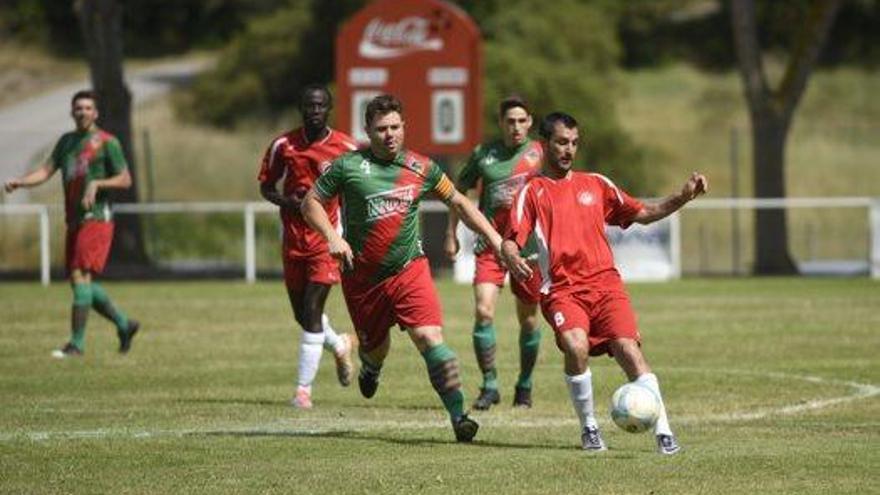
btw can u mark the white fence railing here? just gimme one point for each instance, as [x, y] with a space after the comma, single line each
[249, 210]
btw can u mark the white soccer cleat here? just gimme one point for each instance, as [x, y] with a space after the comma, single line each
[667, 445]
[591, 440]
[303, 398]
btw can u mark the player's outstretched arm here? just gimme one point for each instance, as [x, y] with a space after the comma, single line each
[31, 179]
[474, 219]
[696, 185]
[313, 213]
[517, 265]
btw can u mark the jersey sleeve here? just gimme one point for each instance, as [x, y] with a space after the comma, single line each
[57, 152]
[439, 183]
[272, 168]
[328, 184]
[522, 216]
[620, 207]
[470, 174]
[115, 156]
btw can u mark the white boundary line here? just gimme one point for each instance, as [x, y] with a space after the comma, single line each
[317, 425]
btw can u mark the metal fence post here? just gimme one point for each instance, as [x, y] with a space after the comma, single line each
[44, 246]
[875, 238]
[250, 248]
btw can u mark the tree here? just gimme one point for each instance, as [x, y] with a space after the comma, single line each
[101, 25]
[771, 111]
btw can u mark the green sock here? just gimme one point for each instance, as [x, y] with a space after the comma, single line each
[445, 378]
[484, 347]
[82, 301]
[102, 304]
[529, 343]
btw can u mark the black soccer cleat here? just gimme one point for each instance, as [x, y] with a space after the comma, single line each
[488, 397]
[522, 397]
[591, 440]
[465, 429]
[368, 381]
[667, 445]
[126, 338]
[68, 351]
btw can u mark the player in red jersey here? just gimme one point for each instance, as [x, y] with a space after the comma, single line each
[91, 163]
[583, 297]
[388, 280]
[498, 169]
[300, 157]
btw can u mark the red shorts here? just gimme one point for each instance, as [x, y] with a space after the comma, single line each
[318, 269]
[407, 298]
[87, 246]
[605, 315]
[490, 271]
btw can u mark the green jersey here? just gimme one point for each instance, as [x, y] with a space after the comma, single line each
[500, 172]
[380, 201]
[83, 157]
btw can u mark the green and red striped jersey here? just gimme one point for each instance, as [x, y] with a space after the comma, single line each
[499, 172]
[380, 201]
[83, 157]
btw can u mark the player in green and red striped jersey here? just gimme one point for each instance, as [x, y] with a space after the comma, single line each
[387, 280]
[91, 163]
[498, 169]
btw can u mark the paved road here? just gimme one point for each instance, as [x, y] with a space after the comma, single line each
[29, 127]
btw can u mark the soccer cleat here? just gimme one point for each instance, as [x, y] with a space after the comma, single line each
[591, 440]
[303, 398]
[69, 350]
[667, 445]
[465, 429]
[488, 397]
[126, 338]
[522, 397]
[344, 366]
[368, 381]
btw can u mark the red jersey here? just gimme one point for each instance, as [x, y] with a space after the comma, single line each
[301, 163]
[568, 217]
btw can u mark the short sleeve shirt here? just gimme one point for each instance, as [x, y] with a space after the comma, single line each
[83, 157]
[381, 206]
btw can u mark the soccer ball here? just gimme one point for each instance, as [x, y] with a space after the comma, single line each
[634, 407]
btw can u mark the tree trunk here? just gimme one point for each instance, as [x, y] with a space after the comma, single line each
[771, 111]
[101, 25]
[771, 228]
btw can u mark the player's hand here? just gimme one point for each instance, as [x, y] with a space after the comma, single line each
[696, 185]
[451, 246]
[340, 250]
[518, 266]
[11, 185]
[89, 195]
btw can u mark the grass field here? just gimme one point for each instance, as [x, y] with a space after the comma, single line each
[772, 386]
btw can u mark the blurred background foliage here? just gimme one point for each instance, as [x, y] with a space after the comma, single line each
[567, 54]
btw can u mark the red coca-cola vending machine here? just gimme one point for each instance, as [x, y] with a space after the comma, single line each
[425, 52]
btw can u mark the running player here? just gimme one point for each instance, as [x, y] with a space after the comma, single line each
[91, 163]
[583, 297]
[387, 280]
[300, 157]
[498, 169]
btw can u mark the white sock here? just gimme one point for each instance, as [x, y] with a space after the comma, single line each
[580, 388]
[331, 338]
[309, 357]
[650, 380]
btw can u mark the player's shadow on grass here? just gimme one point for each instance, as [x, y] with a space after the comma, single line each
[361, 437]
[243, 402]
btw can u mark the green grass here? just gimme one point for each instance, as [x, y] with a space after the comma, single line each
[200, 405]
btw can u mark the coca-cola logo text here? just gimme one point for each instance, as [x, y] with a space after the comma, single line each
[382, 40]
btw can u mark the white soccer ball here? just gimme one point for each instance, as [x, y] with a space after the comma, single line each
[635, 408]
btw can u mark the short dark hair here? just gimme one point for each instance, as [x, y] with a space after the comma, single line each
[82, 94]
[382, 105]
[316, 87]
[548, 123]
[512, 101]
